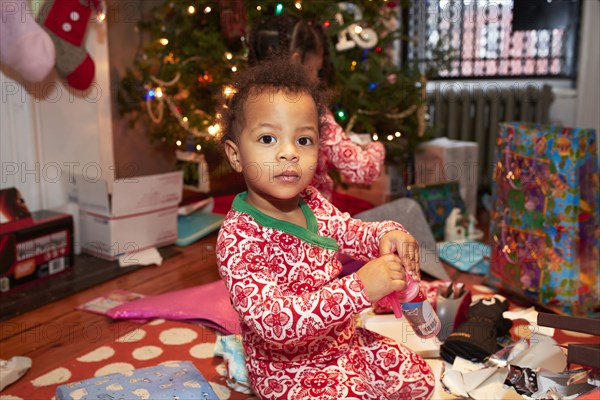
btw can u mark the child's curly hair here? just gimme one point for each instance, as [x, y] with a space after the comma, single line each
[277, 75]
[280, 35]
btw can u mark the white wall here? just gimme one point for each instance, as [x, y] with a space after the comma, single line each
[18, 142]
[588, 86]
[48, 127]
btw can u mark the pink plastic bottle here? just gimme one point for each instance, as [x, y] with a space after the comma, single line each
[413, 303]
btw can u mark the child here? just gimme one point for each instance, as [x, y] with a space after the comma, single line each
[277, 253]
[288, 36]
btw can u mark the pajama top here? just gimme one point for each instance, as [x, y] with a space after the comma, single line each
[283, 282]
[354, 163]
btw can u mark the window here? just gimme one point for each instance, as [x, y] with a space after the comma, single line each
[496, 38]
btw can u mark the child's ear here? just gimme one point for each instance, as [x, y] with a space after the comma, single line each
[233, 155]
[296, 57]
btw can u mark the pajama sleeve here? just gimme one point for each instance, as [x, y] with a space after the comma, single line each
[355, 164]
[355, 238]
[275, 316]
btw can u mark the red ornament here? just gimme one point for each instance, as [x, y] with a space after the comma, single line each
[205, 78]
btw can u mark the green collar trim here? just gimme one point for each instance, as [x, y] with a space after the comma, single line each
[308, 234]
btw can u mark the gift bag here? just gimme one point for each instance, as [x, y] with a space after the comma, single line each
[545, 216]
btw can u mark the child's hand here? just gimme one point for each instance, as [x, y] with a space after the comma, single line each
[407, 248]
[382, 276]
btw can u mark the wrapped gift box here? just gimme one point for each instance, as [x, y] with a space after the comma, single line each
[176, 380]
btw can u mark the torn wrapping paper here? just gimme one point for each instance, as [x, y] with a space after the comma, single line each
[530, 315]
[544, 384]
[143, 257]
[230, 348]
[13, 369]
[482, 380]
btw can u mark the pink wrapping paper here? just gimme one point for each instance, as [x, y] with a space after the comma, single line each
[207, 304]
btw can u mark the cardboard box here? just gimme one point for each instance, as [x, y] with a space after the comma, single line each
[444, 160]
[140, 213]
[36, 251]
[387, 187]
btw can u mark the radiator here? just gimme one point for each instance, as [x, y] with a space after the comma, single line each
[471, 112]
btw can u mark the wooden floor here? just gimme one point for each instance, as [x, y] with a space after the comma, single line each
[55, 333]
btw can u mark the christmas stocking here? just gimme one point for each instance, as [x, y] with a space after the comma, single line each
[24, 45]
[66, 22]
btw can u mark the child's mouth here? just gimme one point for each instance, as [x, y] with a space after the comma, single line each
[288, 177]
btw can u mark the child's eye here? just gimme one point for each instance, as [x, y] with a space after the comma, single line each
[305, 141]
[267, 139]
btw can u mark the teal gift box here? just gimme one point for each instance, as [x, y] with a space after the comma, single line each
[176, 380]
[545, 220]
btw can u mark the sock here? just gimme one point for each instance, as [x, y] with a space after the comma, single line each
[66, 22]
[24, 46]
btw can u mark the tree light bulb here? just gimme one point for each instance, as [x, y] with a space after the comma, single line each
[397, 134]
[390, 137]
[158, 93]
[298, 5]
[178, 143]
[228, 91]
[207, 10]
[198, 147]
[228, 55]
[163, 41]
[191, 10]
[214, 129]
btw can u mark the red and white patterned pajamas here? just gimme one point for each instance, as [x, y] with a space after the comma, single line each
[297, 316]
[355, 164]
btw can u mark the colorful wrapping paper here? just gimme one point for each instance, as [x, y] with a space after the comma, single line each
[545, 216]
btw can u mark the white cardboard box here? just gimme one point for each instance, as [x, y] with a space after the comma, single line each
[445, 160]
[140, 213]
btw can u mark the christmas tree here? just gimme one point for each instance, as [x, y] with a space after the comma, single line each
[193, 49]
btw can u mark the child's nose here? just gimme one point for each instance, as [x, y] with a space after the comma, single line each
[288, 152]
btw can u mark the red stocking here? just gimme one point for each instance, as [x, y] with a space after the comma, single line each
[66, 22]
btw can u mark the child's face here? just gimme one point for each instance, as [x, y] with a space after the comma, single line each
[313, 63]
[278, 146]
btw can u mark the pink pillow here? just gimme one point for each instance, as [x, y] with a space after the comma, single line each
[207, 305]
